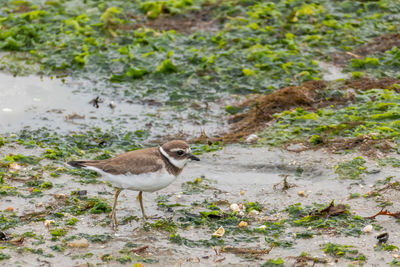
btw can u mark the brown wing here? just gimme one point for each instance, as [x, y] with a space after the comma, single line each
[135, 162]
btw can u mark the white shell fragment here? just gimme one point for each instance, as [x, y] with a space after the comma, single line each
[234, 207]
[220, 232]
[252, 139]
[367, 229]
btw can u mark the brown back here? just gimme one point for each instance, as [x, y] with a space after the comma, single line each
[134, 162]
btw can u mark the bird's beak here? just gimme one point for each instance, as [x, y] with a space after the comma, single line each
[193, 157]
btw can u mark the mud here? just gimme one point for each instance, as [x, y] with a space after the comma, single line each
[239, 174]
[195, 21]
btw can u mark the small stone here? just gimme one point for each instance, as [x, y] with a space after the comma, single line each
[234, 207]
[367, 229]
[253, 213]
[301, 193]
[112, 105]
[178, 196]
[220, 232]
[242, 224]
[382, 238]
[81, 243]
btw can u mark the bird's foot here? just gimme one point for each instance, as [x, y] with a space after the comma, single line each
[114, 222]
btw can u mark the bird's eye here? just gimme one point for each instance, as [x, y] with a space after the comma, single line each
[179, 152]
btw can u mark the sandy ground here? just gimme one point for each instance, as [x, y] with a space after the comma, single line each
[235, 168]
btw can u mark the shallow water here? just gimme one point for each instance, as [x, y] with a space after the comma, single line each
[332, 72]
[33, 102]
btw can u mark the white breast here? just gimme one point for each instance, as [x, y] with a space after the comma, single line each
[147, 182]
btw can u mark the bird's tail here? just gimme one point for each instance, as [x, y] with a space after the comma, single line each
[77, 163]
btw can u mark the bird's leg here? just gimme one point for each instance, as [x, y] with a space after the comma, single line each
[141, 204]
[113, 216]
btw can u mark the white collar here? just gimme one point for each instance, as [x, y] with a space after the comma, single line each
[177, 163]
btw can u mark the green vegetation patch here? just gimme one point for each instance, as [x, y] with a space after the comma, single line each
[351, 169]
[77, 205]
[198, 185]
[376, 113]
[274, 262]
[386, 247]
[8, 220]
[393, 162]
[9, 159]
[249, 46]
[320, 217]
[8, 190]
[213, 241]
[379, 65]
[345, 251]
[4, 256]
[167, 225]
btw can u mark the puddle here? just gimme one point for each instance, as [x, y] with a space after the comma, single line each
[332, 72]
[33, 102]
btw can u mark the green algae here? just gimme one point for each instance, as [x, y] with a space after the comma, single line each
[256, 47]
[351, 169]
[375, 113]
[4, 256]
[310, 217]
[346, 251]
[273, 262]
[393, 162]
[213, 241]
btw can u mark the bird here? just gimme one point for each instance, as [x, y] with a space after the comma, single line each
[143, 170]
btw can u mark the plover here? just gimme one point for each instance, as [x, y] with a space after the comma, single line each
[144, 170]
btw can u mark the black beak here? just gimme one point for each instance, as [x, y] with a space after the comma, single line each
[193, 157]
